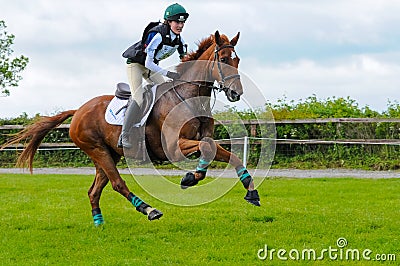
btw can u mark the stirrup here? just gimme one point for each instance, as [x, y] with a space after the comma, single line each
[123, 141]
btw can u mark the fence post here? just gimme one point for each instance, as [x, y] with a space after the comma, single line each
[245, 144]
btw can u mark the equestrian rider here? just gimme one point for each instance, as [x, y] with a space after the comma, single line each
[158, 43]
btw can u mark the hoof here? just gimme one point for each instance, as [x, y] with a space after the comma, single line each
[254, 202]
[154, 214]
[188, 181]
[98, 223]
[253, 198]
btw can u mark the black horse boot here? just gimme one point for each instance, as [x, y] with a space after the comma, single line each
[131, 118]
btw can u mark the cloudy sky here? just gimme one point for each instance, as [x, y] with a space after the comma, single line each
[288, 48]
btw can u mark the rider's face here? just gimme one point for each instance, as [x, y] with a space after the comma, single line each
[176, 26]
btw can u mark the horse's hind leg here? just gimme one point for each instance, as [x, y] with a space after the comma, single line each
[94, 193]
[103, 159]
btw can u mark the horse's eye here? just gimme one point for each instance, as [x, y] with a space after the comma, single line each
[224, 60]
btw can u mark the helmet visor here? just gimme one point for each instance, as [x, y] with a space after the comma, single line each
[179, 17]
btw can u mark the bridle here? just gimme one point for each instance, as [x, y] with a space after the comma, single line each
[234, 77]
[221, 84]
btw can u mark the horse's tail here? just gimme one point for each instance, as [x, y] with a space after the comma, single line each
[34, 135]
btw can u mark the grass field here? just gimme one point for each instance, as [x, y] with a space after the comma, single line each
[46, 219]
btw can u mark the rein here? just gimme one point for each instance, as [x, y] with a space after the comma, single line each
[199, 85]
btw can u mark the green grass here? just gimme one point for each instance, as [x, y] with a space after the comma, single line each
[46, 219]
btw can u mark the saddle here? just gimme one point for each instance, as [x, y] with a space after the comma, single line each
[123, 91]
[115, 111]
[115, 114]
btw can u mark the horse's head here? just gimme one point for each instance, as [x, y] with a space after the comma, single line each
[224, 66]
[215, 55]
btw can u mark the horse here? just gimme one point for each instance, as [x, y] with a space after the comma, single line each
[165, 139]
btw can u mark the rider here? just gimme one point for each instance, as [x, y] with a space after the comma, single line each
[158, 43]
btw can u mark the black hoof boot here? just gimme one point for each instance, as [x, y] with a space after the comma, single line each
[253, 198]
[154, 215]
[188, 181]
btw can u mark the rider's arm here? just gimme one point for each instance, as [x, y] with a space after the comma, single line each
[185, 45]
[150, 50]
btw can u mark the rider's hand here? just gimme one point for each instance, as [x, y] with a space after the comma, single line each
[173, 75]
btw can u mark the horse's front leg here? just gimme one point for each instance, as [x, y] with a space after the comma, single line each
[211, 151]
[223, 155]
[207, 148]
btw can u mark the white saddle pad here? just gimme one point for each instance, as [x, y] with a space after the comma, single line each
[115, 116]
[113, 107]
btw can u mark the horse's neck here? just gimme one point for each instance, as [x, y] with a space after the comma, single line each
[198, 79]
[200, 69]
[198, 74]
[193, 90]
[197, 70]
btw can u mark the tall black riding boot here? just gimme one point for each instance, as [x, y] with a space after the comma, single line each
[131, 118]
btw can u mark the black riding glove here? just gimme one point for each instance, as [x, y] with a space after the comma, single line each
[173, 75]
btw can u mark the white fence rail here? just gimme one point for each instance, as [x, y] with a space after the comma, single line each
[252, 139]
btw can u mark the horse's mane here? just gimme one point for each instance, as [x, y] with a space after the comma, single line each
[202, 46]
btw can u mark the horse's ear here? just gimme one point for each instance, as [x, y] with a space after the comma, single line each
[235, 39]
[217, 38]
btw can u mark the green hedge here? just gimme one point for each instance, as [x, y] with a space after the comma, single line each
[380, 157]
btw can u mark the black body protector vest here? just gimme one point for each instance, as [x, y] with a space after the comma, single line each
[136, 53]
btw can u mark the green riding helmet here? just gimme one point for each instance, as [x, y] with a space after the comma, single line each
[176, 12]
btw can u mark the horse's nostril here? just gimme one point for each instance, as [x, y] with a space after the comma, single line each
[235, 95]
[232, 96]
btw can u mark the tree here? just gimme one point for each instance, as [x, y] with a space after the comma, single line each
[9, 68]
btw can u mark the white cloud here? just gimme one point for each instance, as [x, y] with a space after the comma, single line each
[364, 78]
[293, 48]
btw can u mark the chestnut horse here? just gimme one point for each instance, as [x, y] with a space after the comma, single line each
[190, 132]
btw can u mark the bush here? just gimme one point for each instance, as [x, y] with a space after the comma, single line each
[380, 157]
